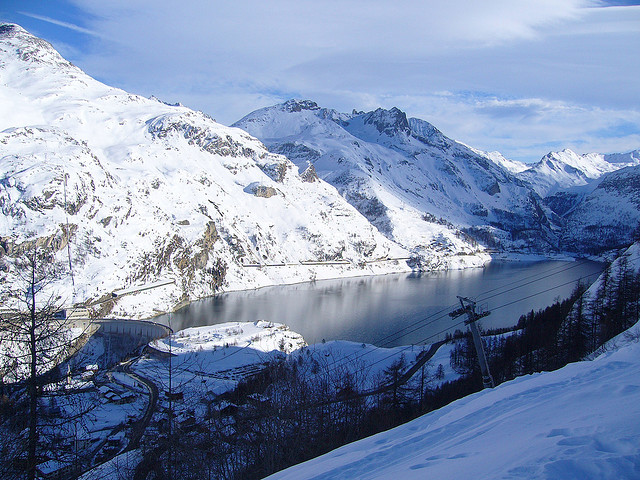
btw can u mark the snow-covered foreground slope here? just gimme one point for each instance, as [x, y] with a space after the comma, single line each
[574, 423]
[417, 186]
[135, 191]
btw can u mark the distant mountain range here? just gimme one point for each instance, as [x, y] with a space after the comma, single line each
[426, 191]
[420, 188]
[134, 192]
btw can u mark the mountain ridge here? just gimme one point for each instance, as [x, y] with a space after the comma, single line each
[386, 165]
[405, 165]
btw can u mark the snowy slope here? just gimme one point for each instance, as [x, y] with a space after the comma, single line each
[145, 191]
[630, 260]
[416, 185]
[608, 217]
[574, 423]
[512, 166]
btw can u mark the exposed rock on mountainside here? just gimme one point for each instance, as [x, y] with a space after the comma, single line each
[608, 217]
[595, 196]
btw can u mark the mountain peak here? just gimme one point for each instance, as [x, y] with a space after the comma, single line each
[390, 122]
[15, 41]
[294, 105]
[10, 28]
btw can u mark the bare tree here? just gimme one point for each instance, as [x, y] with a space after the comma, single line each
[33, 334]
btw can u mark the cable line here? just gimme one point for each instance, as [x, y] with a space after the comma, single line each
[354, 357]
[428, 320]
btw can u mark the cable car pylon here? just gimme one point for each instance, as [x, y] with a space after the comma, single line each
[468, 307]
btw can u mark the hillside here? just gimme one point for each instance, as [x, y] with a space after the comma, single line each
[577, 422]
[558, 171]
[608, 216]
[132, 191]
[583, 191]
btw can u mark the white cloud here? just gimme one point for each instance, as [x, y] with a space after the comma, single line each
[535, 69]
[70, 26]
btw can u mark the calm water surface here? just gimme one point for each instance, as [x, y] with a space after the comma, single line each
[394, 310]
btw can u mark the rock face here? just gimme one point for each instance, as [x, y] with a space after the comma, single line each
[132, 191]
[421, 189]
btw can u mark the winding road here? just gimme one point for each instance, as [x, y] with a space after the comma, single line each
[143, 423]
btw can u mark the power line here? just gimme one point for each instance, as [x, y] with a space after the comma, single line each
[439, 315]
[418, 324]
[564, 269]
[68, 232]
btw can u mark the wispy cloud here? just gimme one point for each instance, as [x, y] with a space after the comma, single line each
[70, 26]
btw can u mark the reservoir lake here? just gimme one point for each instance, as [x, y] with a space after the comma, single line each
[399, 309]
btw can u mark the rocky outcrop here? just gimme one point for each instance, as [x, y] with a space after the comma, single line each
[52, 243]
[309, 175]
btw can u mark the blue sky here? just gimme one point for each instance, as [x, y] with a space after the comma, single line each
[520, 77]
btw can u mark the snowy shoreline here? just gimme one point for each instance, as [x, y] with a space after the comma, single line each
[499, 258]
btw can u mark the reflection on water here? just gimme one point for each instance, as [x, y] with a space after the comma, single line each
[394, 309]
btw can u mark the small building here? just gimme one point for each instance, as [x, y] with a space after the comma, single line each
[55, 470]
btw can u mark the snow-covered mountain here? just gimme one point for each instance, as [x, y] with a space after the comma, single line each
[416, 185]
[607, 217]
[595, 196]
[563, 170]
[513, 166]
[136, 191]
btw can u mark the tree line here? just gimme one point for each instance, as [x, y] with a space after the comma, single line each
[564, 332]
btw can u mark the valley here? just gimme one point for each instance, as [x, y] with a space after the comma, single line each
[182, 298]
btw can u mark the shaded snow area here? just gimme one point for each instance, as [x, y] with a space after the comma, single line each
[209, 361]
[629, 260]
[221, 355]
[121, 466]
[215, 358]
[578, 422]
[367, 363]
[609, 215]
